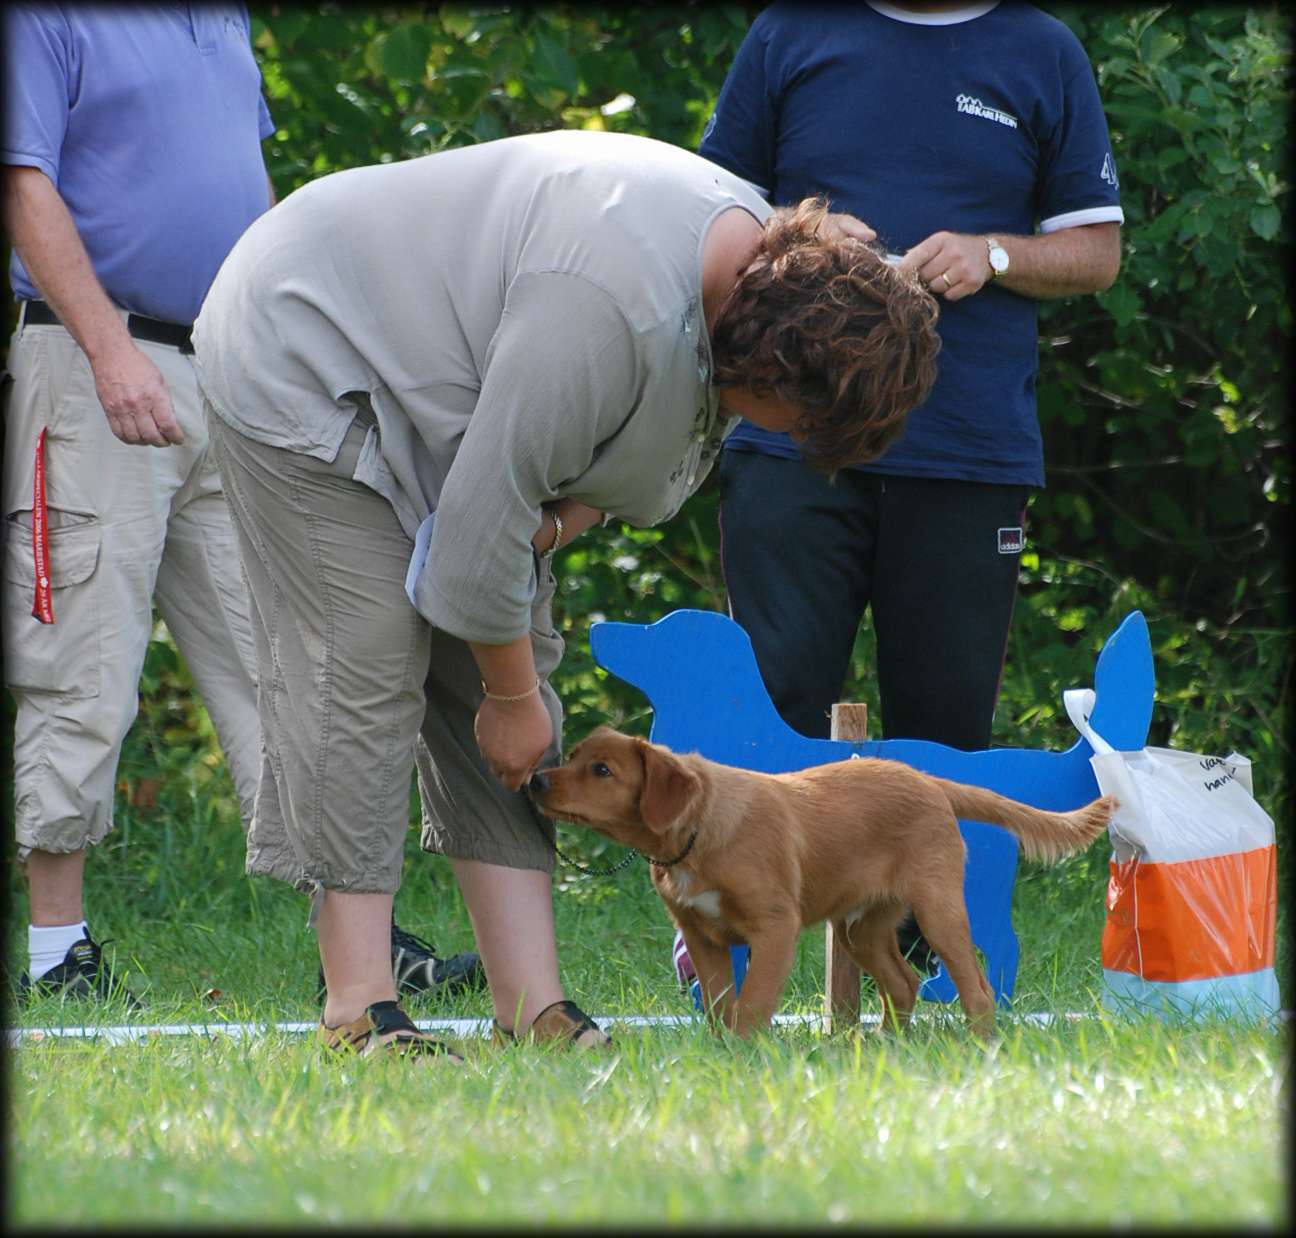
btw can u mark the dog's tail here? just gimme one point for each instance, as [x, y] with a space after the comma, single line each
[1045, 836]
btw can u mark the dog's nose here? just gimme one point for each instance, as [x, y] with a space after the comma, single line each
[539, 783]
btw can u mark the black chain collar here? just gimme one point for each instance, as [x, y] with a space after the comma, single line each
[586, 871]
[688, 846]
[628, 858]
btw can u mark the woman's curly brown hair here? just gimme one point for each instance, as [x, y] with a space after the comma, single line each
[828, 327]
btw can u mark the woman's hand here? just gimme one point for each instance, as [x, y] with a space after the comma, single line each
[837, 226]
[513, 736]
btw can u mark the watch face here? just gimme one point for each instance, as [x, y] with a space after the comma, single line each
[999, 259]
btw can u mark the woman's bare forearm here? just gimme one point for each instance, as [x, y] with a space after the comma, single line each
[506, 670]
[576, 517]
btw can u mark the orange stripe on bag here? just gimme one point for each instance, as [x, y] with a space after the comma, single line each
[43, 599]
[1192, 920]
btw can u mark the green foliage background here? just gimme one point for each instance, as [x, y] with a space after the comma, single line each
[1163, 400]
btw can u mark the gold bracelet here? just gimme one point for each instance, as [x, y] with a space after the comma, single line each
[521, 696]
[548, 555]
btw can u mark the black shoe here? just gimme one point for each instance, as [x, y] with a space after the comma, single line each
[417, 969]
[82, 976]
[913, 945]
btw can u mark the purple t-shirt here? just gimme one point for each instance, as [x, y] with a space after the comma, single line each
[149, 121]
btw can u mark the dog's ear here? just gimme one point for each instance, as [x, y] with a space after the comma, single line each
[668, 788]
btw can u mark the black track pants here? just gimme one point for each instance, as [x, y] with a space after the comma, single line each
[935, 560]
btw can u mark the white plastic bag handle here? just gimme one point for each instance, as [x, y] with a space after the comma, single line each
[1079, 704]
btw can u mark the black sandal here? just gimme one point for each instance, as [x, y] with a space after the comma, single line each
[362, 1036]
[563, 1020]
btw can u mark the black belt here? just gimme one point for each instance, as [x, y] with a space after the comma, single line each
[39, 314]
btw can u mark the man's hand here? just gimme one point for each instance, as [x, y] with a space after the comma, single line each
[513, 736]
[838, 226]
[951, 264]
[135, 398]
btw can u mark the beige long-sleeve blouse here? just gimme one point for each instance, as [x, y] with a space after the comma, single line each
[526, 317]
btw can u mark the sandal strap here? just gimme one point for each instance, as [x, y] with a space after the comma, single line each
[564, 1018]
[380, 1019]
[406, 1044]
[500, 1035]
[389, 1017]
[345, 1037]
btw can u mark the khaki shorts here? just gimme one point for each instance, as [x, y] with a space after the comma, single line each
[128, 526]
[353, 678]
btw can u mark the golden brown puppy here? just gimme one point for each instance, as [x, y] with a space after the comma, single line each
[740, 856]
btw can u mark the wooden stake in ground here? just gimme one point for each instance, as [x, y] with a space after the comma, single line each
[841, 975]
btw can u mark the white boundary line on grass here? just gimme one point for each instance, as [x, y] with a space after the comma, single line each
[15, 1036]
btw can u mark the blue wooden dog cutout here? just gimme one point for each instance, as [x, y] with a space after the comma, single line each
[698, 671]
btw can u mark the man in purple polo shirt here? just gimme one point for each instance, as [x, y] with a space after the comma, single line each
[131, 164]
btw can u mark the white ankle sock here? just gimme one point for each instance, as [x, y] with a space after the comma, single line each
[47, 945]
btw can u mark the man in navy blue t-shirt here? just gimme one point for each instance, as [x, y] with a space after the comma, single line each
[970, 141]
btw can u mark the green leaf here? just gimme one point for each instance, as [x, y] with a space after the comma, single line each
[1167, 512]
[487, 126]
[1168, 82]
[403, 52]
[1201, 452]
[1162, 45]
[457, 20]
[552, 64]
[1121, 302]
[1072, 620]
[1265, 222]
[288, 26]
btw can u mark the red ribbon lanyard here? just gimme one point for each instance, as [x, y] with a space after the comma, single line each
[43, 606]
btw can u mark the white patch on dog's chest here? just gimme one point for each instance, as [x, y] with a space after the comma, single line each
[708, 903]
[705, 901]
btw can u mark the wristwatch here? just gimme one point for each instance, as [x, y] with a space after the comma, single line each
[998, 256]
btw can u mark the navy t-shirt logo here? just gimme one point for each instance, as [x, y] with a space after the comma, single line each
[974, 107]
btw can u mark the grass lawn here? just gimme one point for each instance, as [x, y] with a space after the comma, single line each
[1076, 1123]
[1070, 1126]
[1081, 1123]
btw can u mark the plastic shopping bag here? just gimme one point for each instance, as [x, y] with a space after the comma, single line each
[1192, 897]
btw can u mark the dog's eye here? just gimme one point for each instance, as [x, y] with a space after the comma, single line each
[600, 770]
